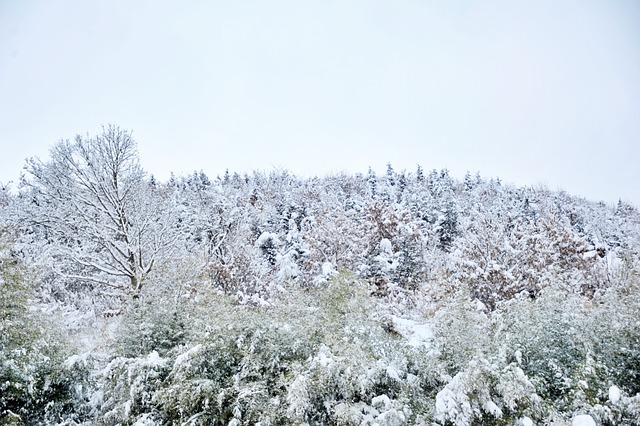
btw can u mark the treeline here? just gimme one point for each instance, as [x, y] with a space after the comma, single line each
[97, 221]
[512, 281]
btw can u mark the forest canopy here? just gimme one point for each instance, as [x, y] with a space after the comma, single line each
[265, 298]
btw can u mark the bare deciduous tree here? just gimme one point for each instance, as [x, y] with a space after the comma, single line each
[94, 201]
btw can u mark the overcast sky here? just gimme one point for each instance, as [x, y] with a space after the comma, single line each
[538, 92]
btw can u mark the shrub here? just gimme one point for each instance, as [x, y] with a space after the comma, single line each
[36, 385]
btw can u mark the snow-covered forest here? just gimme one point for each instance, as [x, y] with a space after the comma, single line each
[350, 299]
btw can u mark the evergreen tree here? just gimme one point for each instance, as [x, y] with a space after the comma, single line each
[419, 174]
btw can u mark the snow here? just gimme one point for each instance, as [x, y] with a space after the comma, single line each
[144, 420]
[76, 360]
[614, 394]
[381, 402]
[416, 333]
[154, 360]
[393, 373]
[183, 358]
[453, 405]
[385, 246]
[266, 238]
[583, 420]
[322, 357]
[493, 409]
[518, 356]
[297, 397]
[526, 421]
[391, 418]
[327, 269]
[346, 414]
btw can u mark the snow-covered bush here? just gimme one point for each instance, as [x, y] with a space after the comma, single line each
[486, 392]
[461, 332]
[360, 373]
[128, 386]
[316, 361]
[237, 372]
[614, 326]
[613, 373]
[564, 353]
[485, 382]
[154, 322]
[35, 383]
[576, 349]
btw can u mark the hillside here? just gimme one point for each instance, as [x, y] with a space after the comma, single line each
[266, 298]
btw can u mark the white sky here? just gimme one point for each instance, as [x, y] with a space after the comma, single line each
[533, 92]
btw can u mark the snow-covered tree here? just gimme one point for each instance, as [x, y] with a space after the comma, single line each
[37, 386]
[347, 299]
[91, 199]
